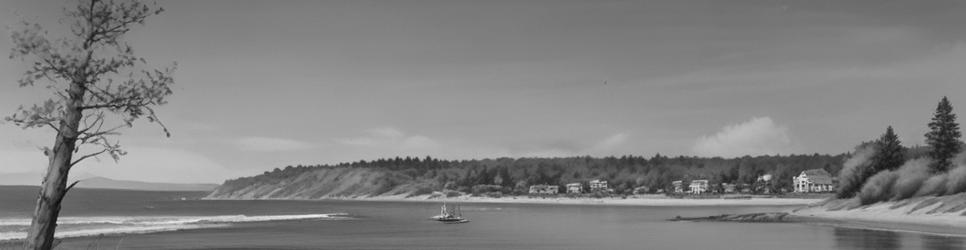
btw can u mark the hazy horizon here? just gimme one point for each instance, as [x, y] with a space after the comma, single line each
[262, 85]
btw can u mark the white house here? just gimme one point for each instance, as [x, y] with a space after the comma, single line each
[598, 185]
[698, 186]
[813, 181]
[575, 188]
[678, 186]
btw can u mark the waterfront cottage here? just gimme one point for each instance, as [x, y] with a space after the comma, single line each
[678, 186]
[813, 181]
[598, 186]
[698, 186]
[575, 188]
[544, 189]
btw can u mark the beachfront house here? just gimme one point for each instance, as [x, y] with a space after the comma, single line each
[544, 189]
[729, 188]
[813, 181]
[698, 186]
[678, 186]
[575, 188]
[598, 186]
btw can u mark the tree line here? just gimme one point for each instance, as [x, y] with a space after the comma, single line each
[624, 173]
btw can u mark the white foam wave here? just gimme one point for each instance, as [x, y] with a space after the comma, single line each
[170, 220]
[111, 230]
[97, 225]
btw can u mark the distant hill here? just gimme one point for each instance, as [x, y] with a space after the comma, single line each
[105, 183]
[89, 181]
[414, 176]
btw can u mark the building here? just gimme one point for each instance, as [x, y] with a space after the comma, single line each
[813, 181]
[544, 189]
[729, 188]
[678, 186]
[598, 186]
[575, 188]
[699, 187]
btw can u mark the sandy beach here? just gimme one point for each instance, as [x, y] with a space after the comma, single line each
[934, 215]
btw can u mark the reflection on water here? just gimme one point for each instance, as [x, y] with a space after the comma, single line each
[853, 239]
[933, 242]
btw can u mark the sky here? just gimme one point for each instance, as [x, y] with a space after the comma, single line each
[266, 84]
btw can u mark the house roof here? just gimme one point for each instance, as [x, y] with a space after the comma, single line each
[818, 176]
[699, 182]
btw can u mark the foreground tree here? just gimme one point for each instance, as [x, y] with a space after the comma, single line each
[99, 86]
[943, 136]
[889, 155]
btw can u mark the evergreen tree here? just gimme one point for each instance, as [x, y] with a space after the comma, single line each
[889, 155]
[943, 136]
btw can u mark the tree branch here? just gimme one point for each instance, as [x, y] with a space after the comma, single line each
[88, 156]
[71, 186]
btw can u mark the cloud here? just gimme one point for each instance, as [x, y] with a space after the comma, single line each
[270, 144]
[391, 138]
[615, 144]
[388, 142]
[612, 142]
[758, 136]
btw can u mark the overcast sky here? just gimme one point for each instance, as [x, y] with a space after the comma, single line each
[265, 84]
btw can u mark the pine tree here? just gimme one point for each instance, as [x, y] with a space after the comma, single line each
[943, 136]
[890, 154]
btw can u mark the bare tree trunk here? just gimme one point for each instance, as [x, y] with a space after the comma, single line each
[54, 186]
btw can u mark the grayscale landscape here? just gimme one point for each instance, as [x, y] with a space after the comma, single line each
[460, 124]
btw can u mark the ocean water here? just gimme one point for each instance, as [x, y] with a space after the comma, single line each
[112, 219]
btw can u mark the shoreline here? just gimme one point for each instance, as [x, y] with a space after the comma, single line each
[649, 200]
[926, 215]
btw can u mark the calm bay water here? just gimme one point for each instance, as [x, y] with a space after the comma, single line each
[162, 220]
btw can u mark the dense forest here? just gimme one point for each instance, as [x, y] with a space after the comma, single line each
[503, 176]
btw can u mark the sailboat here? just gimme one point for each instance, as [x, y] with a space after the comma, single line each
[449, 216]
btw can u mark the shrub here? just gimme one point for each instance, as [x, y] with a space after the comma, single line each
[956, 180]
[910, 178]
[935, 185]
[878, 188]
[854, 171]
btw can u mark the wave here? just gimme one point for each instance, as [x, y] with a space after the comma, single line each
[96, 225]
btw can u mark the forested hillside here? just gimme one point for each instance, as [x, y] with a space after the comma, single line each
[415, 176]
